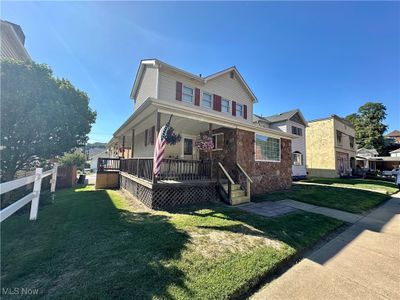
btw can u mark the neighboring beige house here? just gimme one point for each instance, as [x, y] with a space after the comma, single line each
[12, 42]
[395, 153]
[331, 150]
[219, 105]
[292, 122]
[393, 136]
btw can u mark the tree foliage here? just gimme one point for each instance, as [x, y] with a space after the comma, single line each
[368, 123]
[41, 116]
[76, 158]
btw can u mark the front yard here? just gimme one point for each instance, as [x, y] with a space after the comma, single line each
[352, 195]
[98, 244]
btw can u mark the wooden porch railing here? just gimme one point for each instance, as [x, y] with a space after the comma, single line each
[246, 185]
[108, 164]
[171, 169]
[223, 175]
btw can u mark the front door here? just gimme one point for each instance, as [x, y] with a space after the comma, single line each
[189, 150]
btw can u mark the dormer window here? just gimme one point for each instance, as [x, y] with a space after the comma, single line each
[187, 94]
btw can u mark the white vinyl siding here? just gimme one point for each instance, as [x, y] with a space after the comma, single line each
[206, 100]
[147, 87]
[267, 148]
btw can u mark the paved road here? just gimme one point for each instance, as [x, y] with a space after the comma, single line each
[361, 263]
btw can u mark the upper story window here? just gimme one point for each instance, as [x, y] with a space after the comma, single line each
[239, 110]
[297, 131]
[351, 141]
[225, 106]
[206, 100]
[339, 137]
[187, 94]
[267, 148]
[218, 141]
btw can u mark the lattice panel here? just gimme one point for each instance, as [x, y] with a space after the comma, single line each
[142, 193]
[174, 196]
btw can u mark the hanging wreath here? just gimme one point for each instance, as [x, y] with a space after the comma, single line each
[205, 143]
[171, 138]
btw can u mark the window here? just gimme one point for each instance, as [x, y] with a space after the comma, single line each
[225, 106]
[351, 141]
[338, 137]
[297, 131]
[297, 158]
[206, 100]
[239, 110]
[218, 141]
[149, 136]
[187, 146]
[267, 148]
[187, 94]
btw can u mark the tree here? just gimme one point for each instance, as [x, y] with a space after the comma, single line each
[76, 158]
[368, 123]
[41, 116]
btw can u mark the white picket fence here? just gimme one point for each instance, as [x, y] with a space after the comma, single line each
[34, 196]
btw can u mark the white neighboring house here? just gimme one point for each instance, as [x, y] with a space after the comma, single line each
[291, 122]
[94, 155]
[395, 153]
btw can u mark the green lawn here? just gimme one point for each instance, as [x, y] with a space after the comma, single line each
[95, 243]
[351, 200]
[368, 184]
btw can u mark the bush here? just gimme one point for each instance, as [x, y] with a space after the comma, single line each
[76, 158]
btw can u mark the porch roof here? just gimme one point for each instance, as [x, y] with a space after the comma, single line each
[152, 105]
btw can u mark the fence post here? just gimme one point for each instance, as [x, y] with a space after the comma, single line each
[54, 178]
[36, 194]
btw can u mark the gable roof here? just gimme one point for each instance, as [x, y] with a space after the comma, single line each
[340, 119]
[159, 63]
[395, 151]
[285, 116]
[366, 150]
[394, 133]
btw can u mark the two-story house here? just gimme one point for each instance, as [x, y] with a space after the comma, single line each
[331, 149]
[291, 122]
[220, 106]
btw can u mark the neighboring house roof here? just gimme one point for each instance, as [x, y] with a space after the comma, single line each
[340, 119]
[394, 133]
[395, 151]
[282, 117]
[364, 152]
[12, 41]
[95, 151]
[156, 62]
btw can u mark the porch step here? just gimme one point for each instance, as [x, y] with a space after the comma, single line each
[240, 200]
[234, 187]
[238, 193]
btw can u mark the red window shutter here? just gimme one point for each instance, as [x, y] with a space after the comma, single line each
[179, 91]
[153, 131]
[217, 103]
[197, 97]
[245, 111]
[145, 137]
[233, 108]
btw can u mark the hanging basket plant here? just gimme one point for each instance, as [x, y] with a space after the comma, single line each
[171, 137]
[205, 143]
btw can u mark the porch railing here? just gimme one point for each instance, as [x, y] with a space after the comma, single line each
[108, 164]
[171, 169]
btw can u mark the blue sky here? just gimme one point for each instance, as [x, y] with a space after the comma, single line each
[322, 57]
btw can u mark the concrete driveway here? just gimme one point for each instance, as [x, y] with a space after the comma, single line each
[363, 262]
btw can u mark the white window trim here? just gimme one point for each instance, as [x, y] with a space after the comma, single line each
[212, 100]
[301, 159]
[241, 115]
[183, 93]
[215, 134]
[229, 106]
[189, 137]
[255, 148]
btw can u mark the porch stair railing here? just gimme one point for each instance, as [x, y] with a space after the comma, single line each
[231, 192]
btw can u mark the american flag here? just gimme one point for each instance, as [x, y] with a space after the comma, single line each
[160, 148]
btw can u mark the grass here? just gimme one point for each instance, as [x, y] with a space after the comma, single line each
[368, 184]
[351, 200]
[96, 243]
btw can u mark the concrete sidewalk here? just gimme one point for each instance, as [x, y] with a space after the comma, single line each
[363, 262]
[330, 212]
